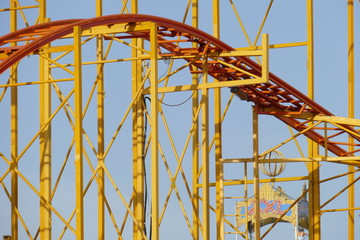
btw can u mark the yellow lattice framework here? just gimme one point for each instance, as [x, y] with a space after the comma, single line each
[88, 139]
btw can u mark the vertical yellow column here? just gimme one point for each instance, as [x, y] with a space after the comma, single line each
[216, 18]
[314, 167]
[351, 114]
[101, 128]
[195, 134]
[14, 131]
[154, 132]
[265, 57]
[42, 11]
[218, 136]
[45, 151]
[138, 137]
[256, 173]
[205, 154]
[78, 135]
[45, 138]
[138, 147]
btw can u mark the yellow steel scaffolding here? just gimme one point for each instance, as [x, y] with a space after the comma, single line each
[137, 207]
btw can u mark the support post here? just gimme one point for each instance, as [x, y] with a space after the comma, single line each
[256, 173]
[218, 134]
[101, 128]
[78, 135]
[205, 154]
[313, 167]
[195, 134]
[154, 132]
[45, 150]
[138, 147]
[45, 138]
[138, 139]
[14, 131]
[351, 114]
[42, 11]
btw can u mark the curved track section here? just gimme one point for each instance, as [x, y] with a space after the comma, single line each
[174, 39]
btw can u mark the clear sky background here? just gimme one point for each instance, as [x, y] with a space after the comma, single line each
[286, 23]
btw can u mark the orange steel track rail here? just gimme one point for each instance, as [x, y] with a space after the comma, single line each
[175, 39]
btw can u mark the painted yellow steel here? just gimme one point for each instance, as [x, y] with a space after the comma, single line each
[218, 136]
[321, 118]
[14, 134]
[340, 210]
[313, 167]
[195, 136]
[79, 210]
[17, 8]
[45, 138]
[351, 115]
[115, 28]
[45, 150]
[205, 154]
[280, 45]
[263, 180]
[256, 174]
[101, 127]
[154, 134]
[202, 86]
[199, 224]
[138, 136]
[265, 58]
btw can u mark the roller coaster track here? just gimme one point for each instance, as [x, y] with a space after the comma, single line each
[276, 97]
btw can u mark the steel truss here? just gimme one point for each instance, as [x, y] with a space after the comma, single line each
[62, 47]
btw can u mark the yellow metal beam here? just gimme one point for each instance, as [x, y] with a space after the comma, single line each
[205, 154]
[56, 49]
[313, 167]
[14, 132]
[42, 11]
[78, 135]
[351, 114]
[309, 159]
[202, 86]
[111, 29]
[271, 46]
[18, 8]
[45, 138]
[154, 133]
[340, 210]
[256, 174]
[35, 83]
[195, 135]
[138, 135]
[101, 126]
[247, 181]
[45, 150]
[265, 58]
[315, 117]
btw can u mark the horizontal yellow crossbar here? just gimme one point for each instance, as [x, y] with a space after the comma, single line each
[18, 8]
[315, 117]
[241, 182]
[207, 85]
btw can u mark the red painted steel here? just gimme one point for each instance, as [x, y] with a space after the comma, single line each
[276, 94]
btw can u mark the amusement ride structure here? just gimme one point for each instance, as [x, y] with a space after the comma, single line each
[136, 126]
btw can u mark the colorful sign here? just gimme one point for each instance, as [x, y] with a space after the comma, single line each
[274, 202]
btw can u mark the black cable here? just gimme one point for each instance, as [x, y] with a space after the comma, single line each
[178, 104]
[144, 166]
[183, 102]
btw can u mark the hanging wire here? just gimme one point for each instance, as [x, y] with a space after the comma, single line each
[183, 102]
[146, 198]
